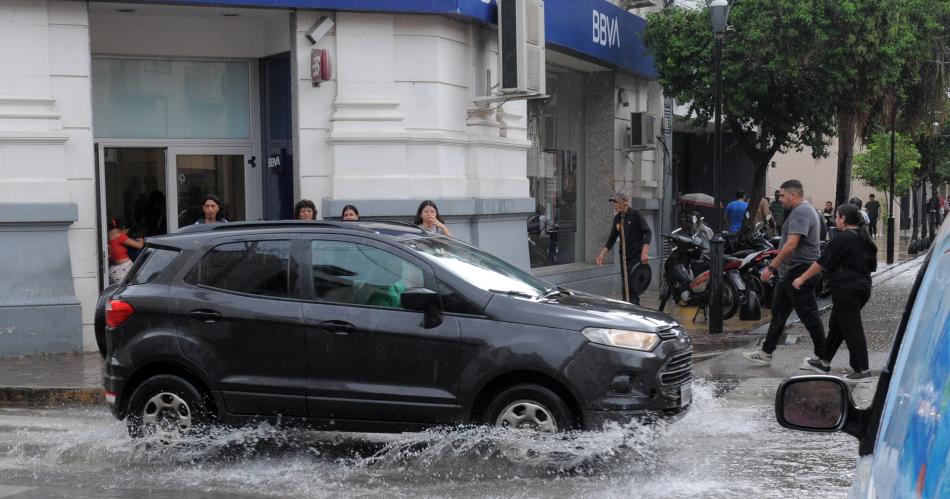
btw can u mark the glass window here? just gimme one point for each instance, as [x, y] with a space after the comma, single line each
[200, 174]
[345, 272]
[156, 259]
[555, 166]
[162, 99]
[135, 188]
[478, 268]
[252, 267]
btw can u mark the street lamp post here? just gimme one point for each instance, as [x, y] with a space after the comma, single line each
[719, 12]
[890, 205]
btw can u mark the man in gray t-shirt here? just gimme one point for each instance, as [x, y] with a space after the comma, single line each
[803, 221]
[797, 251]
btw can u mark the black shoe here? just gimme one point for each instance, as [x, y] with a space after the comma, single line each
[859, 377]
[815, 365]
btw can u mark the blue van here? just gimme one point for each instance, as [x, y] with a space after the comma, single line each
[905, 434]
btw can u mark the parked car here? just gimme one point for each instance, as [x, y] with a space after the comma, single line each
[905, 433]
[373, 326]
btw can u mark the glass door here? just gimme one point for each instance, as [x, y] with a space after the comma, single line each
[198, 172]
[135, 189]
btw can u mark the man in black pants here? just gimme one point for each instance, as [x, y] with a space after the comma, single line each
[873, 207]
[798, 250]
[635, 238]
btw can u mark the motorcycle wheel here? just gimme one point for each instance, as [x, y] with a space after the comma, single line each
[752, 282]
[730, 300]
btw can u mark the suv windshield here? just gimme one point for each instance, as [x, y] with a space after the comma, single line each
[479, 268]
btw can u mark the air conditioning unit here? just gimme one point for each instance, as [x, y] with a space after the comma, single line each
[642, 131]
[521, 47]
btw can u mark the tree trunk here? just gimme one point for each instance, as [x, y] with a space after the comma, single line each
[847, 124]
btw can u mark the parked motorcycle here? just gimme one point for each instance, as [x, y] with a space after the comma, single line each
[686, 276]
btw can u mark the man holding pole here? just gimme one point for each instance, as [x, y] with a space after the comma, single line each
[634, 233]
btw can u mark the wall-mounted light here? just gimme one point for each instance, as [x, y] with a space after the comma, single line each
[622, 97]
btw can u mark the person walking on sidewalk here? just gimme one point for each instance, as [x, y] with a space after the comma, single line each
[849, 260]
[635, 239]
[873, 207]
[798, 250]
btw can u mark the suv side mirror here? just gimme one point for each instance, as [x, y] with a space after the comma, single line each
[424, 300]
[814, 403]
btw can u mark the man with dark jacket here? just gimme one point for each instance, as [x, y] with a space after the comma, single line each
[635, 235]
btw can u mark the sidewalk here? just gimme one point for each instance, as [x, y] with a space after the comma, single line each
[77, 377]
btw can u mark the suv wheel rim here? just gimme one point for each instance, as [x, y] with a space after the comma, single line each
[167, 414]
[527, 414]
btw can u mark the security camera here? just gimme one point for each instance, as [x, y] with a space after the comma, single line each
[319, 28]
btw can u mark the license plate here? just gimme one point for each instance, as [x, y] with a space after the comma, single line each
[686, 395]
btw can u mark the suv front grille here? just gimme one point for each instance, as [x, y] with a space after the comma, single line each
[678, 370]
[667, 334]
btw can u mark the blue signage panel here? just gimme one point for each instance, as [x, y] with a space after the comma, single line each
[595, 29]
[600, 30]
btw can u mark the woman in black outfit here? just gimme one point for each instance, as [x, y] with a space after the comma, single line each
[849, 259]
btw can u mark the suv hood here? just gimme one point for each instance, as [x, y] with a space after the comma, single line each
[577, 311]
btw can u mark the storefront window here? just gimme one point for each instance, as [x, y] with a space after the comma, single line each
[170, 99]
[555, 163]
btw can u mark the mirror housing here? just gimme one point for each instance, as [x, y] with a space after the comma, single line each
[424, 300]
[815, 403]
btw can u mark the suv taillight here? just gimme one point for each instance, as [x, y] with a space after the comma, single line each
[117, 312]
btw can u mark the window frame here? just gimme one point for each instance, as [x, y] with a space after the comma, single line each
[308, 293]
[209, 246]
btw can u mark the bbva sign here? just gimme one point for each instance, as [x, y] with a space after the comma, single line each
[606, 30]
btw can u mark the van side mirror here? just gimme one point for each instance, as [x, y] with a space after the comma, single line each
[424, 300]
[813, 403]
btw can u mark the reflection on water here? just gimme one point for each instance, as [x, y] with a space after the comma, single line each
[720, 449]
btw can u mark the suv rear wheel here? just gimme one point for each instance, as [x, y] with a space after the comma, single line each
[529, 406]
[167, 406]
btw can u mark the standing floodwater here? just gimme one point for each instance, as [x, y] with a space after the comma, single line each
[727, 446]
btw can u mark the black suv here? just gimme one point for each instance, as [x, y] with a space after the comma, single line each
[373, 326]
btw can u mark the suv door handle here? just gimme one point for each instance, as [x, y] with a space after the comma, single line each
[205, 315]
[338, 327]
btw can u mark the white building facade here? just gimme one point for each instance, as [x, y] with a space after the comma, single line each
[135, 110]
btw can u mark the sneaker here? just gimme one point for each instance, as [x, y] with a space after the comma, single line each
[857, 377]
[815, 365]
[759, 357]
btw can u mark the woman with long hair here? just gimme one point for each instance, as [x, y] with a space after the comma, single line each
[849, 259]
[428, 218]
[305, 210]
[211, 210]
[350, 213]
[119, 244]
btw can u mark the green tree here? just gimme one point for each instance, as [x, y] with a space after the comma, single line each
[772, 100]
[873, 166]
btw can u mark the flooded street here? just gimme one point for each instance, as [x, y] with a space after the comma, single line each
[728, 446]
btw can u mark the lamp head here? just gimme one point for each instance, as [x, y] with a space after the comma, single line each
[719, 13]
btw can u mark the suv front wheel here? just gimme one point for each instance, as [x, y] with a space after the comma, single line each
[529, 406]
[166, 406]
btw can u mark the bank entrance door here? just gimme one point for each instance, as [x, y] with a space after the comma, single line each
[157, 190]
[199, 171]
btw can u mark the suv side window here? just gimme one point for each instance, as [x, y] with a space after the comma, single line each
[154, 261]
[345, 272]
[252, 267]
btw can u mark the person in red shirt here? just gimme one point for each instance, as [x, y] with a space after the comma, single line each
[119, 244]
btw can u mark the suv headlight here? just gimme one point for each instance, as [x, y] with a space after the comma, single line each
[634, 340]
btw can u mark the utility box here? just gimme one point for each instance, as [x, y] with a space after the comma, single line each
[642, 132]
[521, 47]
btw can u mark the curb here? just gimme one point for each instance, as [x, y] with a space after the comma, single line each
[38, 397]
